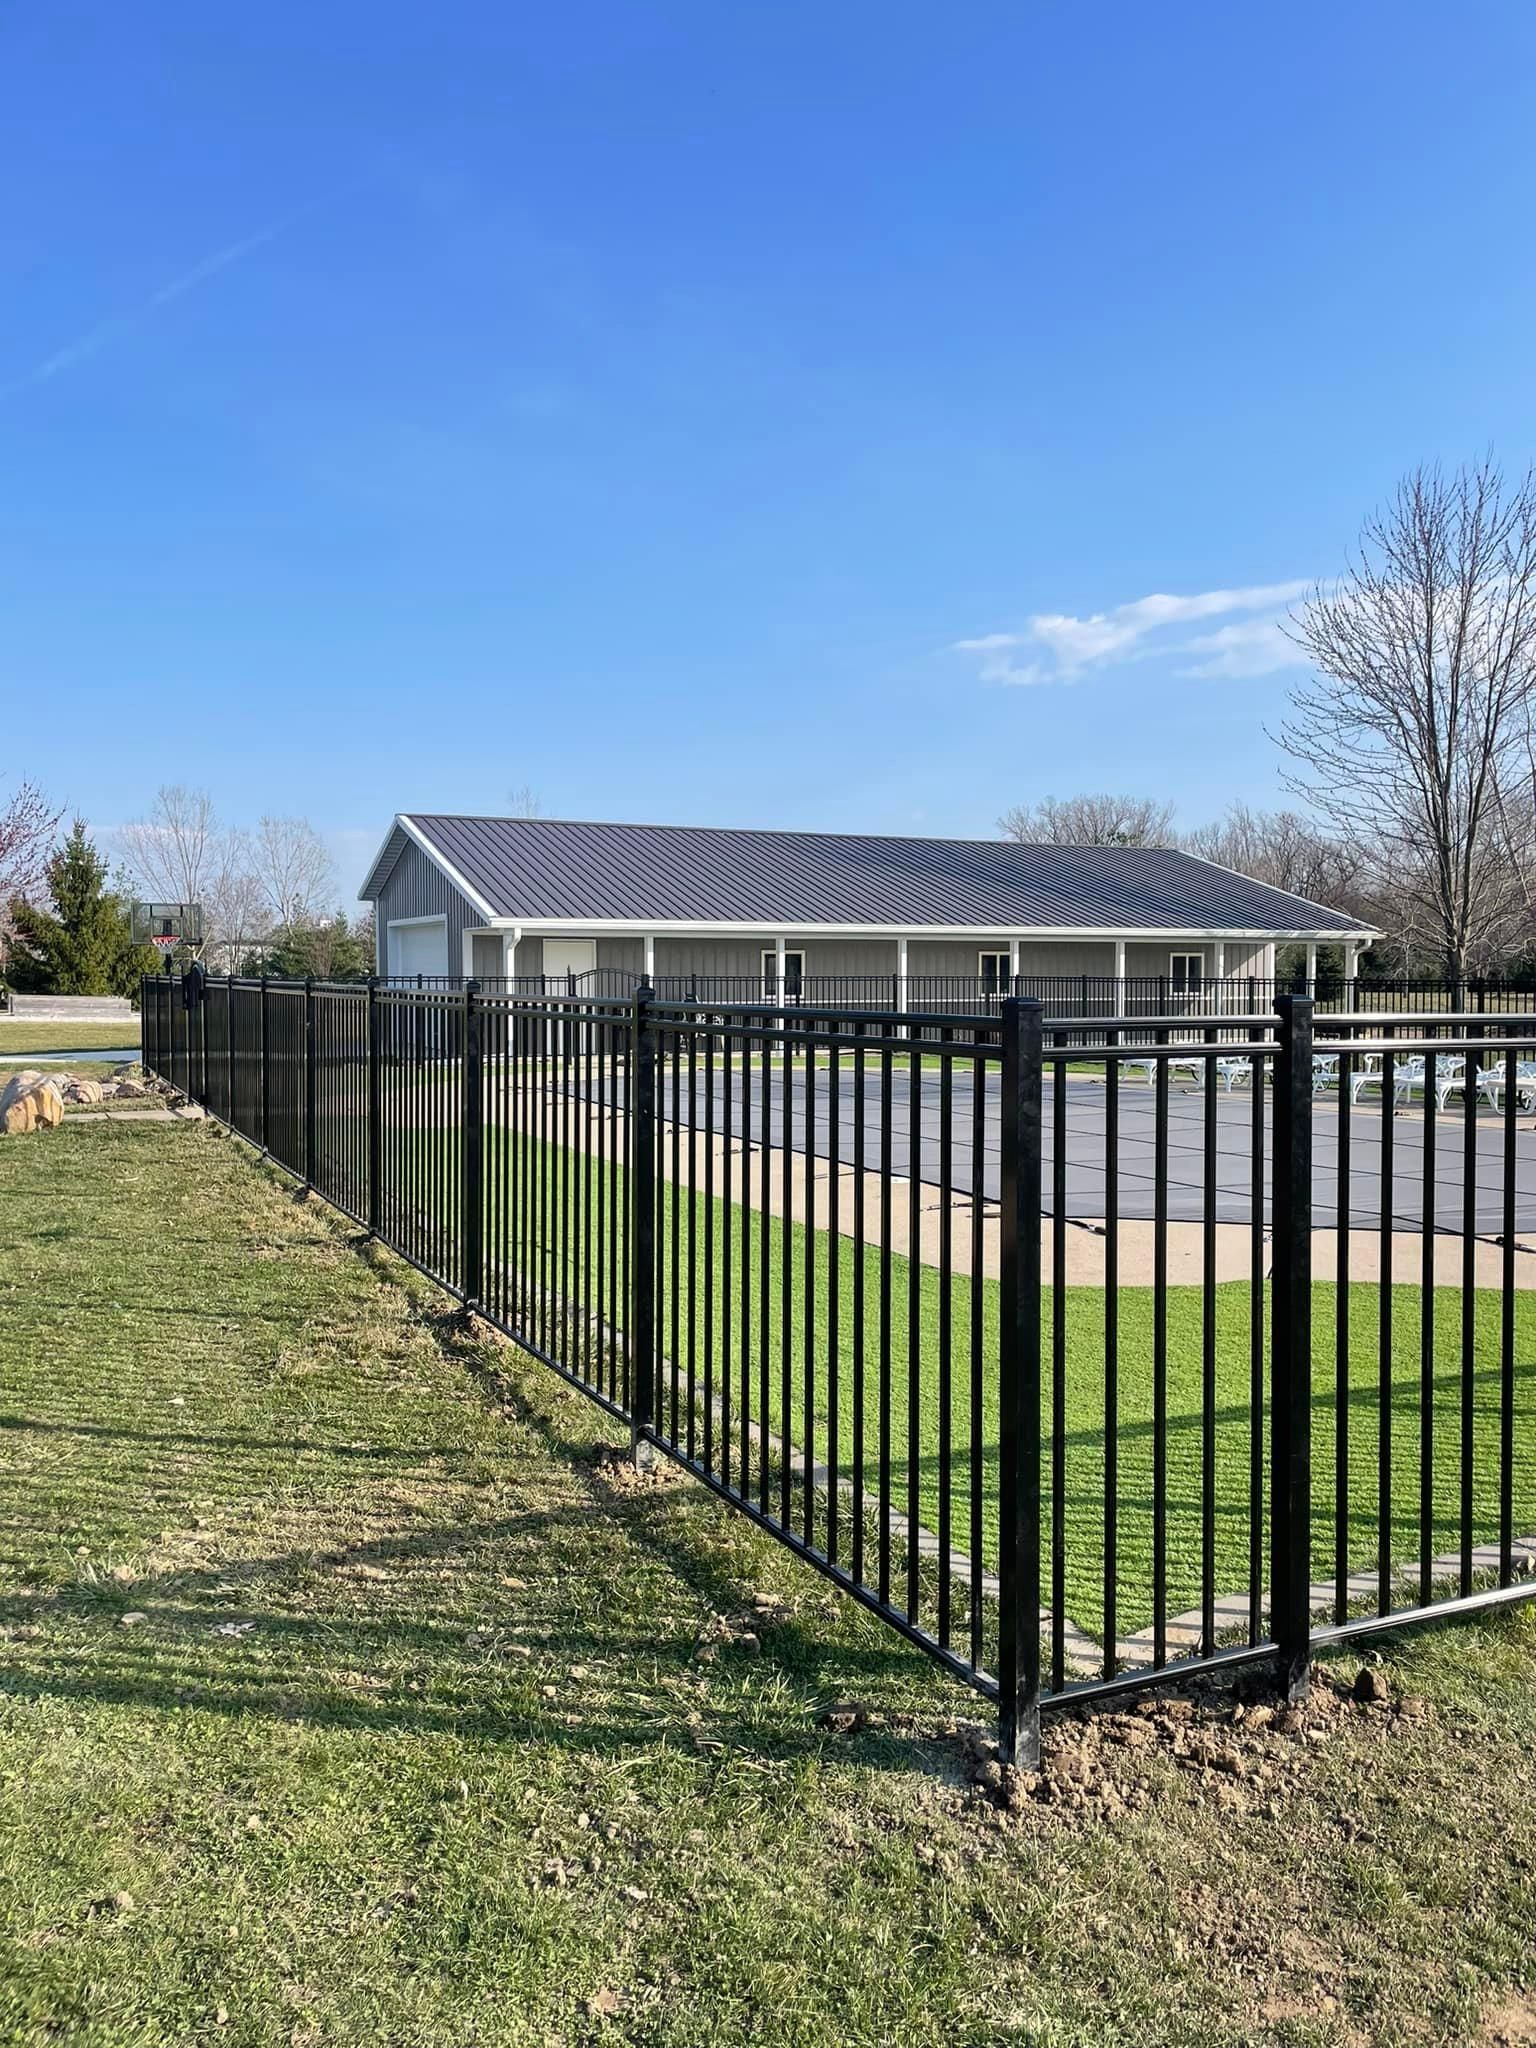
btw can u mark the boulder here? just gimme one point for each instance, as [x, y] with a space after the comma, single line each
[129, 1087]
[49, 1104]
[80, 1088]
[17, 1115]
[29, 1102]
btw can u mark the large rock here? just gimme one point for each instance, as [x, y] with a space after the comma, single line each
[17, 1115]
[81, 1088]
[29, 1102]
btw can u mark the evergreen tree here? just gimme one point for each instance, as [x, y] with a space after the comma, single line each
[83, 945]
[328, 948]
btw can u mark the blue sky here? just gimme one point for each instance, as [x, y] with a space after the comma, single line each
[400, 406]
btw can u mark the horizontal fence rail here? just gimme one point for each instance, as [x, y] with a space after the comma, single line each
[1061, 995]
[1085, 1350]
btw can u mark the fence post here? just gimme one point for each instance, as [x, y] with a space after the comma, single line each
[473, 1193]
[261, 1048]
[375, 1109]
[1291, 1348]
[309, 1081]
[642, 1256]
[1018, 1655]
[229, 1048]
[203, 1033]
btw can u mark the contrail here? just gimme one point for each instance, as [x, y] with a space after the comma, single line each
[96, 338]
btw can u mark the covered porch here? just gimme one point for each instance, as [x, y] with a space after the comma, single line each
[1130, 974]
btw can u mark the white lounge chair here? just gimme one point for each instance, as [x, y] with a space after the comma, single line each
[1235, 1071]
[1410, 1078]
[1491, 1083]
[1363, 1074]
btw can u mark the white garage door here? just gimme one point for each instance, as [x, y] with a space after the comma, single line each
[419, 948]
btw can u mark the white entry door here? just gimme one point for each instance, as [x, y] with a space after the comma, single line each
[569, 956]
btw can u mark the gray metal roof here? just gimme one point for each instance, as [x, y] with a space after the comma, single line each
[547, 868]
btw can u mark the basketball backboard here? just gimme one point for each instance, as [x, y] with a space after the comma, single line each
[167, 925]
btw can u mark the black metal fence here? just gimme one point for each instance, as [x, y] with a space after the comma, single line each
[1083, 1352]
[1061, 995]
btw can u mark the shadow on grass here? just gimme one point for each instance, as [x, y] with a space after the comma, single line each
[615, 1590]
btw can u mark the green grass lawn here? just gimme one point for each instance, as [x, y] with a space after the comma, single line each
[23, 1036]
[413, 1742]
[806, 1415]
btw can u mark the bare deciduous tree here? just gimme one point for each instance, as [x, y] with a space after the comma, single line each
[1286, 850]
[249, 884]
[182, 853]
[293, 869]
[1090, 821]
[173, 853]
[1417, 723]
[524, 802]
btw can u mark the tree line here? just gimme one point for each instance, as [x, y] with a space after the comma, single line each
[1411, 743]
[268, 896]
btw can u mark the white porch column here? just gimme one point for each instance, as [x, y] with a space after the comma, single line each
[1269, 963]
[1013, 966]
[1219, 961]
[779, 949]
[1119, 1003]
[510, 941]
[1311, 964]
[901, 975]
[650, 958]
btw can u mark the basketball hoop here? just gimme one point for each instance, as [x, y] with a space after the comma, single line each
[165, 926]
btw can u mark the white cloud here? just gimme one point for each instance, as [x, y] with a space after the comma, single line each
[1058, 647]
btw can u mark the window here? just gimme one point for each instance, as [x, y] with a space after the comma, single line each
[993, 969]
[1186, 971]
[794, 970]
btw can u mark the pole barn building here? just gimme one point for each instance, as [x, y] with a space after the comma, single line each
[612, 904]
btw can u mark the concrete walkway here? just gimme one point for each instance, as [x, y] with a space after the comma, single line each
[831, 1202]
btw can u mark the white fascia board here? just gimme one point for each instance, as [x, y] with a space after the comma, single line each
[585, 927]
[488, 912]
[369, 892]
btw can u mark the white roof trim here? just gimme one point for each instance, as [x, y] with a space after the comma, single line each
[408, 825]
[581, 927]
